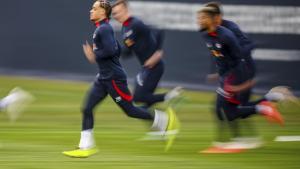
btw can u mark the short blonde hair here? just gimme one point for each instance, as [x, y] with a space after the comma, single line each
[118, 2]
[105, 4]
[208, 10]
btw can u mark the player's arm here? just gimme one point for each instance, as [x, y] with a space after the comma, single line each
[241, 87]
[126, 53]
[247, 45]
[235, 51]
[157, 56]
[132, 33]
[154, 59]
[233, 45]
[109, 46]
[159, 36]
[213, 76]
[89, 53]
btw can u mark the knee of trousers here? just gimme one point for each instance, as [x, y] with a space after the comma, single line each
[232, 115]
[129, 110]
[87, 110]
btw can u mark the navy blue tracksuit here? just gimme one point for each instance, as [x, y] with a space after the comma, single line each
[227, 54]
[246, 50]
[144, 41]
[111, 79]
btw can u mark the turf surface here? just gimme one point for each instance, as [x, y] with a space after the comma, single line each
[52, 124]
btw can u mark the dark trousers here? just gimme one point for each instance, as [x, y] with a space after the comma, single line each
[232, 106]
[119, 92]
[146, 83]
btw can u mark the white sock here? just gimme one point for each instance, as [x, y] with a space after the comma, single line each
[160, 121]
[173, 93]
[263, 108]
[274, 96]
[7, 100]
[87, 139]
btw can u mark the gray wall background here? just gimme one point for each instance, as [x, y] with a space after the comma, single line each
[44, 35]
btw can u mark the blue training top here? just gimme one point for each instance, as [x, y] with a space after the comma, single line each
[107, 51]
[141, 39]
[224, 48]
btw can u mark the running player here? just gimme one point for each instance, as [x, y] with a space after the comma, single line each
[111, 80]
[245, 42]
[247, 46]
[146, 43]
[233, 76]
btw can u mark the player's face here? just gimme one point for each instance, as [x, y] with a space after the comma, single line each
[118, 12]
[218, 19]
[204, 20]
[97, 13]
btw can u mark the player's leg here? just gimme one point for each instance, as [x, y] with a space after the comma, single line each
[227, 120]
[280, 93]
[163, 123]
[247, 124]
[250, 136]
[229, 110]
[231, 115]
[120, 93]
[146, 84]
[87, 145]
[96, 94]
[220, 120]
[238, 76]
[264, 106]
[15, 102]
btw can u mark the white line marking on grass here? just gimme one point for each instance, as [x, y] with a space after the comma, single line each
[59, 132]
[287, 138]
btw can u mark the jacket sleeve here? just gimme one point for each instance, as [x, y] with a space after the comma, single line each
[247, 44]
[159, 36]
[126, 52]
[233, 45]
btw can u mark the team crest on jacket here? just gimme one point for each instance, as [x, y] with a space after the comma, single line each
[118, 99]
[218, 45]
[128, 33]
[209, 45]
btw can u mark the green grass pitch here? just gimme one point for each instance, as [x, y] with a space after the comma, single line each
[52, 124]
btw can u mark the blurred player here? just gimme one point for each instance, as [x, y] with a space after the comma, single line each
[246, 44]
[15, 103]
[146, 43]
[111, 80]
[247, 47]
[232, 72]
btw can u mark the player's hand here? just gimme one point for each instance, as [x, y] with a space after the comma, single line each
[154, 59]
[212, 78]
[89, 53]
[241, 87]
